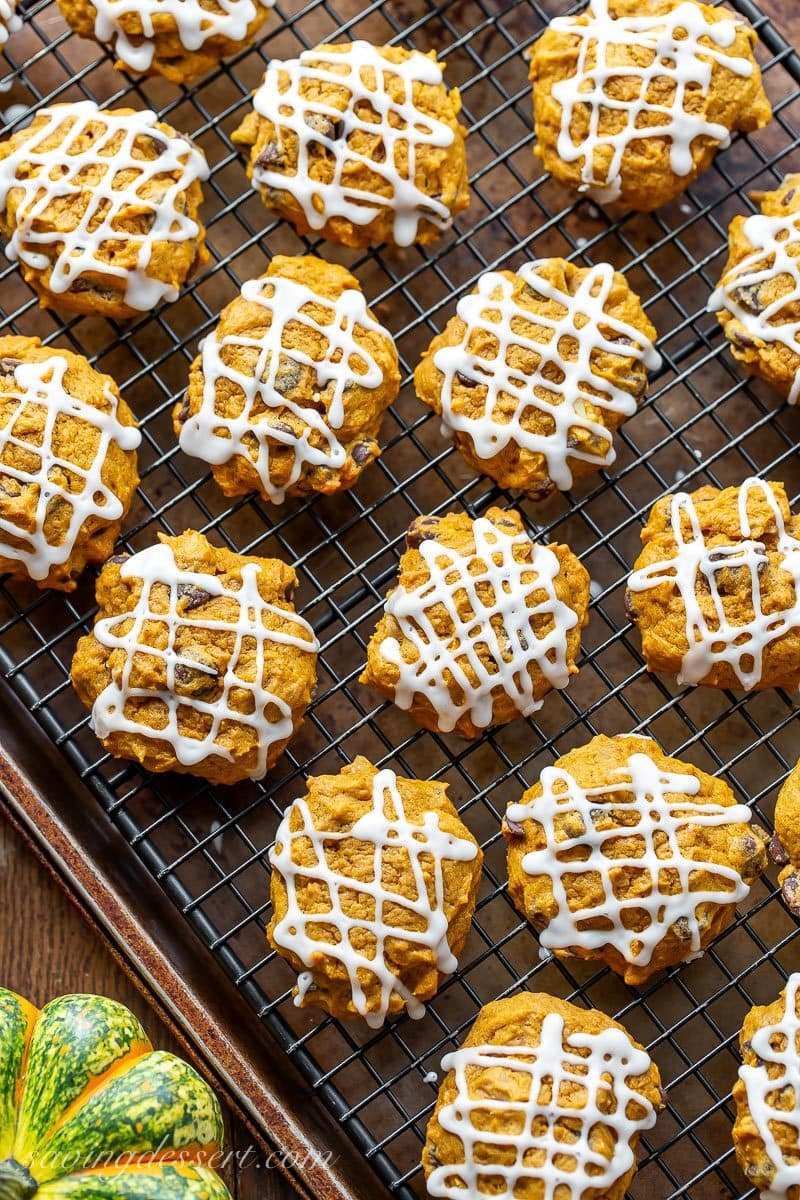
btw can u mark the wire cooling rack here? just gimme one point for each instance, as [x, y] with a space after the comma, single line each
[703, 422]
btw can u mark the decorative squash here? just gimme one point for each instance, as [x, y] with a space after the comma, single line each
[89, 1111]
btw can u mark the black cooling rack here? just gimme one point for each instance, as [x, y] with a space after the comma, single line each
[703, 422]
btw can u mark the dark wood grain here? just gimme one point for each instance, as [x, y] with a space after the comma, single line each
[786, 15]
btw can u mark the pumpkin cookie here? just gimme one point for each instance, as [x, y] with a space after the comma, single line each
[100, 208]
[715, 591]
[68, 467]
[766, 1133]
[374, 881]
[289, 391]
[502, 1128]
[359, 144]
[622, 855]
[197, 661]
[179, 39]
[482, 624]
[633, 98]
[758, 299]
[89, 1110]
[785, 845]
[537, 370]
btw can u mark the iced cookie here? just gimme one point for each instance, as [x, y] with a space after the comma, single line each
[633, 98]
[766, 1133]
[715, 591]
[785, 845]
[359, 144]
[289, 391]
[99, 206]
[482, 624]
[543, 1100]
[758, 299]
[537, 370]
[179, 39]
[68, 464]
[374, 881]
[197, 661]
[622, 855]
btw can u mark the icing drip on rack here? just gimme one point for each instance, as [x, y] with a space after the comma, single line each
[684, 47]
[194, 23]
[573, 1085]
[402, 128]
[649, 808]
[67, 172]
[163, 583]
[343, 362]
[767, 1084]
[10, 22]
[499, 620]
[775, 256]
[385, 828]
[696, 566]
[70, 483]
[559, 387]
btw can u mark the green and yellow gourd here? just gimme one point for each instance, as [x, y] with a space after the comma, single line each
[89, 1111]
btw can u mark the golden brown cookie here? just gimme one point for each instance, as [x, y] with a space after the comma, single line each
[482, 624]
[197, 661]
[359, 144]
[632, 98]
[715, 592]
[289, 391]
[100, 208]
[758, 299]
[622, 855]
[785, 846]
[501, 1126]
[766, 1133]
[179, 39]
[372, 941]
[68, 464]
[537, 370]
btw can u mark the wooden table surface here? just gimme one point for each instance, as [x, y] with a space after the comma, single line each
[786, 15]
[45, 948]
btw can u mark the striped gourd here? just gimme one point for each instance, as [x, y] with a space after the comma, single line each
[89, 1111]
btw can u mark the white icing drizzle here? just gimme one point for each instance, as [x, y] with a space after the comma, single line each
[156, 608]
[344, 361]
[717, 640]
[194, 24]
[583, 322]
[775, 255]
[401, 126]
[499, 619]
[385, 827]
[766, 1084]
[684, 45]
[55, 479]
[48, 176]
[10, 20]
[650, 808]
[580, 1078]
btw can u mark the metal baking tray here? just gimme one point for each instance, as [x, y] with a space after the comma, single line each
[186, 900]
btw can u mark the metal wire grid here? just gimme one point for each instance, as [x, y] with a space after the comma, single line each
[702, 423]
